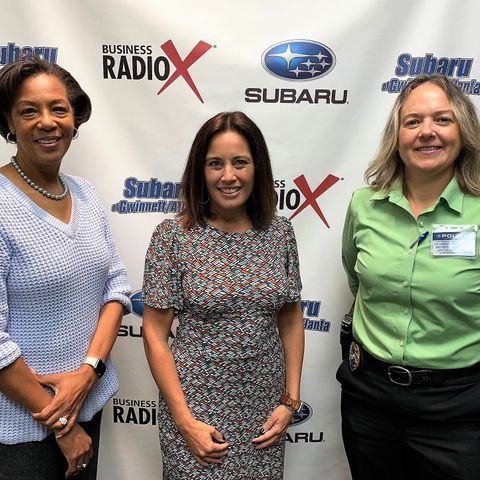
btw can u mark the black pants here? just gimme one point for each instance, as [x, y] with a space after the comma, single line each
[44, 460]
[392, 432]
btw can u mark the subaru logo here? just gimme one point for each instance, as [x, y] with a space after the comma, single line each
[137, 303]
[298, 60]
[304, 414]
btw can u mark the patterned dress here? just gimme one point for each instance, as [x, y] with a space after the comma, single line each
[226, 289]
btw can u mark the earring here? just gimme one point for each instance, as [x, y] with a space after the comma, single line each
[10, 138]
[205, 201]
[75, 134]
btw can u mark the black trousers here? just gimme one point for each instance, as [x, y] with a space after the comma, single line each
[392, 432]
[44, 460]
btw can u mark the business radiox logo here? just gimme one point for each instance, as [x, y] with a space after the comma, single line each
[11, 52]
[297, 199]
[138, 62]
[297, 61]
[136, 411]
[458, 69]
[144, 412]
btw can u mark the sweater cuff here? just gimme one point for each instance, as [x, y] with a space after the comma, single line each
[9, 352]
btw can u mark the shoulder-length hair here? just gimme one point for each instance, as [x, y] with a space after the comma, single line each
[387, 167]
[261, 204]
[13, 75]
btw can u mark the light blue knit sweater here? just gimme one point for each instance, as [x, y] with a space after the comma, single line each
[54, 278]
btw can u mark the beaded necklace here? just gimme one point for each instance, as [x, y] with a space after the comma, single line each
[36, 187]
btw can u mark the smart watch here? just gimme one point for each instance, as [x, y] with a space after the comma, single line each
[97, 364]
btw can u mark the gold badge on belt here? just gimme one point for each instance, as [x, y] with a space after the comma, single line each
[355, 359]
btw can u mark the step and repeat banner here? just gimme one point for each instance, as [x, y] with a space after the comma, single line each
[318, 77]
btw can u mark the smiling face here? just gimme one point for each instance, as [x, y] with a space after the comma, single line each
[429, 139]
[42, 119]
[229, 174]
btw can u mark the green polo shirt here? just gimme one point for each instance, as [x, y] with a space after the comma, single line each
[412, 308]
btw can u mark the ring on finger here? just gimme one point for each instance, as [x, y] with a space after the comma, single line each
[63, 421]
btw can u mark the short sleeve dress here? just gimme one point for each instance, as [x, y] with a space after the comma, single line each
[226, 289]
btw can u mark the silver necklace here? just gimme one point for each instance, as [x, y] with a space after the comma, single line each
[51, 196]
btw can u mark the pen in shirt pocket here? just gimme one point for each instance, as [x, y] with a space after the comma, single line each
[420, 239]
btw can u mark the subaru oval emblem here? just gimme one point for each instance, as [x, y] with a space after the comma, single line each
[137, 303]
[298, 60]
[304, 414]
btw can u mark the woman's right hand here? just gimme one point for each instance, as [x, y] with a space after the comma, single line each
[205, 442]
[76, 447]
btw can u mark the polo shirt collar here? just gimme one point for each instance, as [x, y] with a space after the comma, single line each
[452, 195]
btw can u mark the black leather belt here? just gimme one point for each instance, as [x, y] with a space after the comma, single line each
[405, 376]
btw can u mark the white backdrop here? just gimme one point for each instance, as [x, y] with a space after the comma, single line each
[326, 126]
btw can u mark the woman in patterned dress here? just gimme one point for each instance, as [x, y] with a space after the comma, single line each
[227, 268]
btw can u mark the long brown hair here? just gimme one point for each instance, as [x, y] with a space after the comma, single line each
[261, 204]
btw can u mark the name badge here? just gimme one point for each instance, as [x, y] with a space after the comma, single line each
[454, 241]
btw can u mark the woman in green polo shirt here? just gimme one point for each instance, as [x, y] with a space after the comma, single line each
[411, 384]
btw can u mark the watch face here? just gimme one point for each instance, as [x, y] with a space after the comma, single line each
[100, 368]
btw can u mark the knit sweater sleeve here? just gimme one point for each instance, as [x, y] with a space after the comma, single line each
[117, 287]
[9, 350]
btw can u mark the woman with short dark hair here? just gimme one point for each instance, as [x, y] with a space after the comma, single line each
[63, 287]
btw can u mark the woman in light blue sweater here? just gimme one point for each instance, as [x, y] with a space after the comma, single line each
[63, 287]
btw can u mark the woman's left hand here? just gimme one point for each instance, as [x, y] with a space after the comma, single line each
[274, 427]
[71, 389]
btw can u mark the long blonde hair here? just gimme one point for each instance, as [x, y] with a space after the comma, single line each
[386, 169]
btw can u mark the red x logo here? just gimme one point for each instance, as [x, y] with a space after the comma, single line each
[183, 65]
[311, 197]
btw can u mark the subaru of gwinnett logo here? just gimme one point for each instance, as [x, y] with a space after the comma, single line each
[311, 317]
[304, 414]
[408, 66]
[149, 196]
[298, 60]
[11, 52]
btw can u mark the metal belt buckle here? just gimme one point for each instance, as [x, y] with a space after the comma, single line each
[393, 369]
